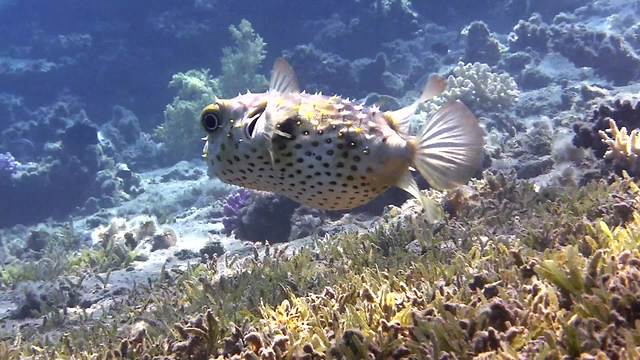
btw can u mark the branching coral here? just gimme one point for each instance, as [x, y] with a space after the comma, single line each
[241, 62]
[624, 148]
[181, 128]
[476, 86]
[625, 113]
[232, 207]
[256, 216]
[196, 88]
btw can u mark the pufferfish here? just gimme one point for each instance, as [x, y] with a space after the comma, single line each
[331, 153]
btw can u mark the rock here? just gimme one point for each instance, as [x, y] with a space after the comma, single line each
[212, 248]
[164, 240]
[533, 168]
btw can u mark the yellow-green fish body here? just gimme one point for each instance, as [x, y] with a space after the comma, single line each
[329, 152]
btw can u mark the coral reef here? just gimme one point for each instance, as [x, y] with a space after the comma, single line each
[196, 88]
[532, 34]
[181, 128]
[562, 279]
[480, 45]
[607, 53]
[256, 216]
[624, 148]
[8, 165]
[61, 158]
[477, 87]
[240, 63]
[142, 232]
[232, 207]
[625, 113]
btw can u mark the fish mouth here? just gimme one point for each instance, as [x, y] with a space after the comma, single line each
[250, 127]
[205, 148]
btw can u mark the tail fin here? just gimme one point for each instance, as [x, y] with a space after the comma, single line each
[449, 148]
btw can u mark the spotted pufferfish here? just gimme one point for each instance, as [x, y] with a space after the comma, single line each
[331, 153]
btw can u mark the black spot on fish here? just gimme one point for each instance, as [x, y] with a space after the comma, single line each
[298, 146]
[354, 168]
[315, 143]
[319, 158]
[330, 152]
[340, 164]
[218, 158]
[328, 141]
[325, 165]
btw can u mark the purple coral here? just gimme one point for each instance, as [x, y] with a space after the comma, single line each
[233, 205]
[8, 165]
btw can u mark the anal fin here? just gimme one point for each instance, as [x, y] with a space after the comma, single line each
[432, 211]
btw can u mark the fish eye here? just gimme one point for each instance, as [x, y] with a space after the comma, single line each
[210, 121]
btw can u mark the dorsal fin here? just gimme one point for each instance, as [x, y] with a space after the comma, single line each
[283, 78]
[401, 117]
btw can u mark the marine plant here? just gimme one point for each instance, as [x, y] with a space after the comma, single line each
[181, 129]
[513, 272]
[240, 63]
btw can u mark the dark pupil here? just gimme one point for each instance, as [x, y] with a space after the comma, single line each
[210, 122]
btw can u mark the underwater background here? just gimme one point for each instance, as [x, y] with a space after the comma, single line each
[115, 243]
